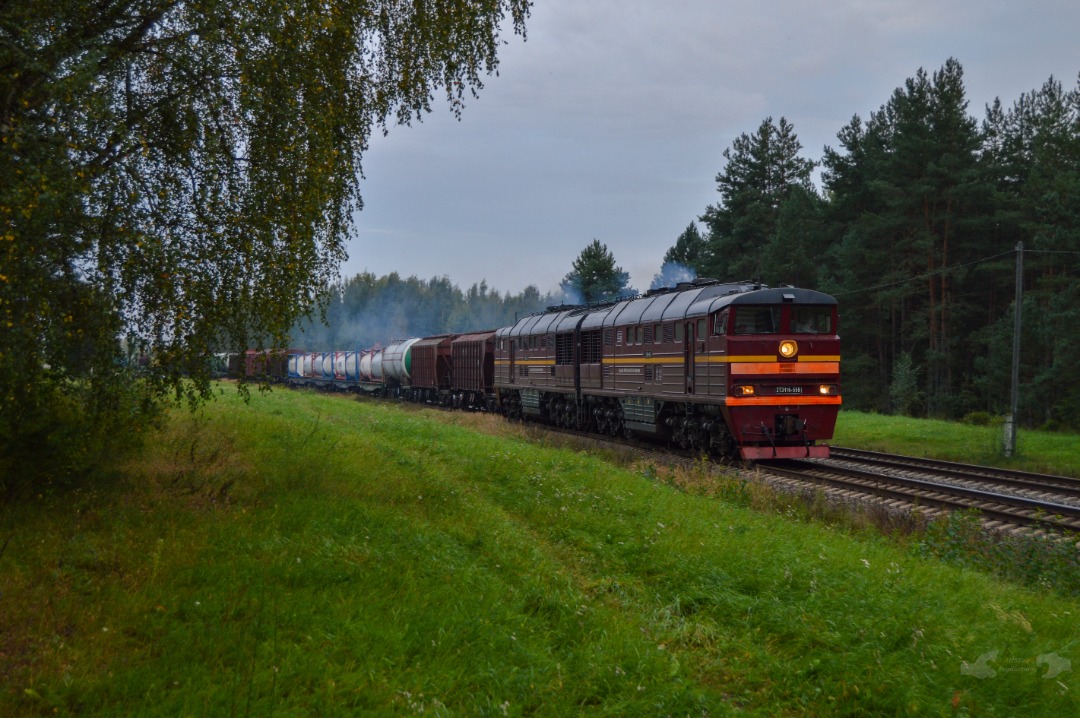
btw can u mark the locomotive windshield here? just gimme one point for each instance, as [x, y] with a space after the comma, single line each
[757, 320]
[811, 320]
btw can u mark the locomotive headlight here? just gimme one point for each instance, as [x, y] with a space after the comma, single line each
[828, 390]
[742, 390]
[788, 348]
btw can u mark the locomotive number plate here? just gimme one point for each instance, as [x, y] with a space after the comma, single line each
[789, 390]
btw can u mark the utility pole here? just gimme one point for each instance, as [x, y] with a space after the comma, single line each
[1014, 395]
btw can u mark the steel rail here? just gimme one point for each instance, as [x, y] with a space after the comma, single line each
[1002, 507]
[1067, 485]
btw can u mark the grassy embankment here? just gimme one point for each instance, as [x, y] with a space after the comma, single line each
[1040, 451]
[314, 555]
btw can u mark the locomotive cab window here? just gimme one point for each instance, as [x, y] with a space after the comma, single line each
[811, 320]
[757, 320]
[720, 323]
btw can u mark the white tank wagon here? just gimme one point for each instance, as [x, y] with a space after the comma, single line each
[377, 366]
[326, 366]
[366, 358]
[296, 366]
[397, 361]
[352, 366]
[307, 369]
[339, 367]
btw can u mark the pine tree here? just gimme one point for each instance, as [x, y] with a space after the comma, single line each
[689, 248]
[1032, 154]
[595, 276]
[761, 171]
[912, 201]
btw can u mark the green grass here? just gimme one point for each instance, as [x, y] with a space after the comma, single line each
[318, 555]
[1041, 451]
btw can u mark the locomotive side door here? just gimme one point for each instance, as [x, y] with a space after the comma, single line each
[513, 353]
[689, 358]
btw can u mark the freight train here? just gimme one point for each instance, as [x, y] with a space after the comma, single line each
[736, 370]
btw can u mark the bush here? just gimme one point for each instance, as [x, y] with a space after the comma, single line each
[1048, 560]
[980, 418]
[71, 430]
[904, 394]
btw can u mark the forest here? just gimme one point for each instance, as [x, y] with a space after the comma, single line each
[365, 311]
[915, 229]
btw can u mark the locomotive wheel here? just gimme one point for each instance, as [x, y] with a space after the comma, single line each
[722, 444]
[615, 424]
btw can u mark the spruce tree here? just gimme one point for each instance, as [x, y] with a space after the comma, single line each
[595, 276]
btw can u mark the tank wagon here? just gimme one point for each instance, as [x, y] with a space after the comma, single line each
[380, 370]
[730, 369]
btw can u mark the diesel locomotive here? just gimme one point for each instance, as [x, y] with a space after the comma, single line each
[737, 370]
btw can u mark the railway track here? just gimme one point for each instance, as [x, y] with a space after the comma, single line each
[1021, 481]
[1004, 498]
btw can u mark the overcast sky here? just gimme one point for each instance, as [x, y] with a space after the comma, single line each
[610, 121]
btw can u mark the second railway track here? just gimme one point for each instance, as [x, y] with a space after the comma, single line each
[1004, 498]
[971, 475]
